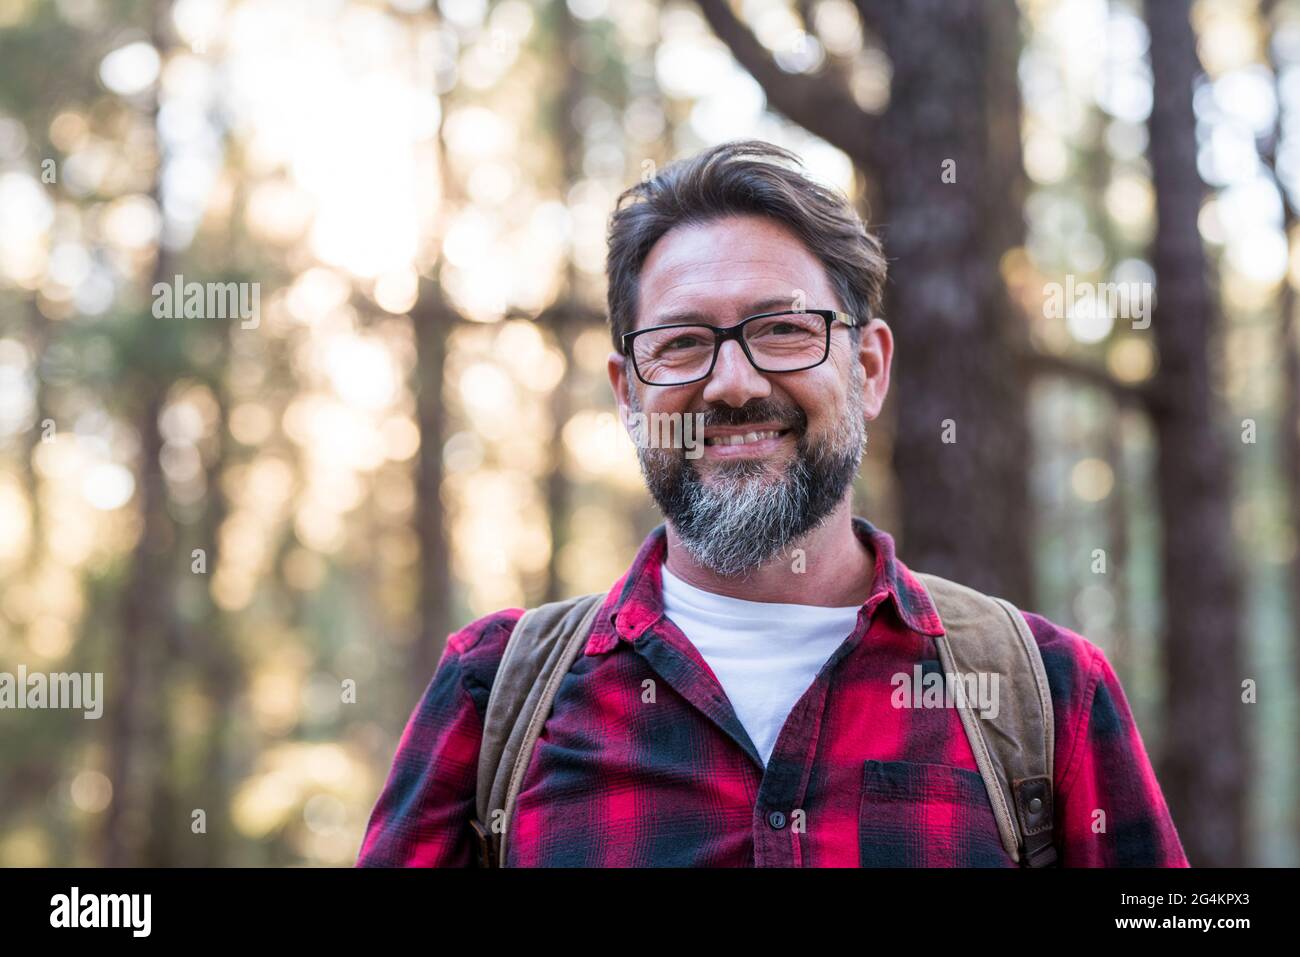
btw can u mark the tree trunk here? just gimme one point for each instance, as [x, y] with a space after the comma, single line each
[432, 320]
[134, 695]
[1204, 771]
[962, 445]
[564, 317]
[138, 740]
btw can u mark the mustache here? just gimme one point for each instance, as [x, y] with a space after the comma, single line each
[759, 411]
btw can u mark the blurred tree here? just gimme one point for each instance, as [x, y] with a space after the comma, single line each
[32, 96]
[565, 318]
[1288, 343]
[946, 156]
[1204, 766]
[432, 319]
[136, 717]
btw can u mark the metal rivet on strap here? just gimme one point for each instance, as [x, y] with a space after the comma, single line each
[1035, 805]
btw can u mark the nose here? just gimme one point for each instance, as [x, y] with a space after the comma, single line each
[734, 380]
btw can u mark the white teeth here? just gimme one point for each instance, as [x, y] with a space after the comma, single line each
[741, 439]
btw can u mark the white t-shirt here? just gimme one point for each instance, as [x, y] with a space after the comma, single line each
[764, 654]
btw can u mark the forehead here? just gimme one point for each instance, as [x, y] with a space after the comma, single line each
[726, 267]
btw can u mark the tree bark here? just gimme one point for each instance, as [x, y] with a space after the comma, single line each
[1204, 768]
[140, 644]
[432, 319]
[564, 316]
[954, 101]
[138, 741]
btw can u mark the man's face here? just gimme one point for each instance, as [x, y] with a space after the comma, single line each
[781, 449]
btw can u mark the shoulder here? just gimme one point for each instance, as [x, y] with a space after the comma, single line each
[475, 652]
[1072, 662]
[482, 635]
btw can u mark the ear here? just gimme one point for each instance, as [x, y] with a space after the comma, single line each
[618, 381]
[875, 353]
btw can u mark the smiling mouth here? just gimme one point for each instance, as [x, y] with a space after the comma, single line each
[746, 438]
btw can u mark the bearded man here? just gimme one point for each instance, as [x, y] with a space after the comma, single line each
[749, 692]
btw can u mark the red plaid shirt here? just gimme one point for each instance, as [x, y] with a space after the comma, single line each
[618, 781]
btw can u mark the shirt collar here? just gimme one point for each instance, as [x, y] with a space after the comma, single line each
[635, 603]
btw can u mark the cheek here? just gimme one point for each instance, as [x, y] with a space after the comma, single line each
[823, 401]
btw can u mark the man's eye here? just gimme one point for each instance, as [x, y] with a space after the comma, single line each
[782, 329]
[682, 342]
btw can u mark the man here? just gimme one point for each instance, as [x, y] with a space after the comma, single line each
[735, 701]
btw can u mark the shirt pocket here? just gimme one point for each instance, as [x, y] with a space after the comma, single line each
[926, 815]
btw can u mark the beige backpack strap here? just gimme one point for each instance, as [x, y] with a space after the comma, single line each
[542, 648]
[1015, 747]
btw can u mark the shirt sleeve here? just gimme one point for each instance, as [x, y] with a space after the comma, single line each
[1110, 809]
[422, 816]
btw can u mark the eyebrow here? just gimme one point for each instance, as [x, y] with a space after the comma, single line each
[694, 315]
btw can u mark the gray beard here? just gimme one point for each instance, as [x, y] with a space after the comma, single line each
[745, 517]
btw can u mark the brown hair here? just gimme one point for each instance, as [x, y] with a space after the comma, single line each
[735, 178]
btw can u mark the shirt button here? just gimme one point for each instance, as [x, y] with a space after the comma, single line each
[777, 820]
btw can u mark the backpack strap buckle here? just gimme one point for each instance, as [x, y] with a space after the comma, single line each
[485, 857]
[1033, 797]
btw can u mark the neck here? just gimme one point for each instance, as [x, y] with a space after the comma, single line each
[836, 569]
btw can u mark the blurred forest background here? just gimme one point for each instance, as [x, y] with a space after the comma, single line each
[234, 523]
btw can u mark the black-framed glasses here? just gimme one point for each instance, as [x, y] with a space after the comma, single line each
[686, 352]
